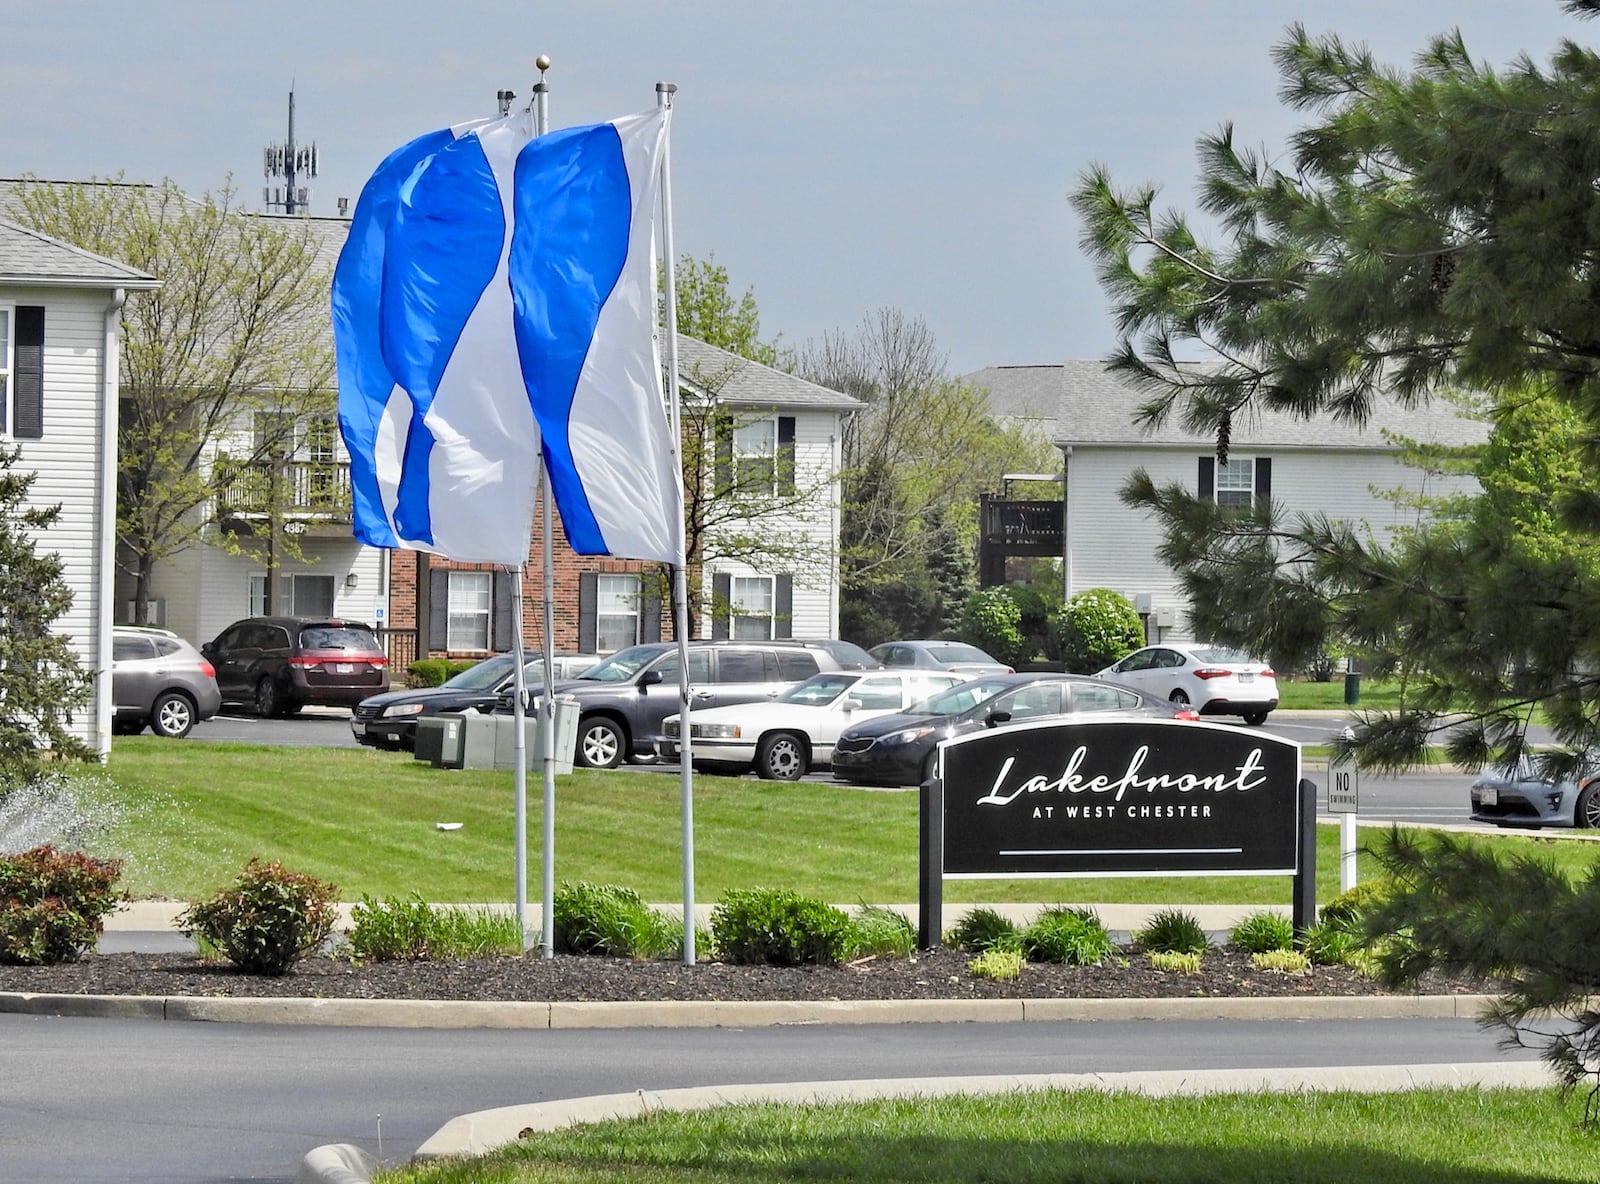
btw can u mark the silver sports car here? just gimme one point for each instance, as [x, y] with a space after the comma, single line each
[1523, 796]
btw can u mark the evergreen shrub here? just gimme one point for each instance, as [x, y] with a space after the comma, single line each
[1263, 931]
[1173, 931]
[992, 621]
[778, 927]
[983, 929]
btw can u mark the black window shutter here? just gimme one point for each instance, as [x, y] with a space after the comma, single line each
[783, 607]
[721, 604]
[500, 598]
[588, 613]
[28, 373]
[649, 616]
[724, 458]
[1208, 478]
[786, 454]
[438, 609]
[1263, 480]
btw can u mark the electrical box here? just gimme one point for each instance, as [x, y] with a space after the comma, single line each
[438, 741]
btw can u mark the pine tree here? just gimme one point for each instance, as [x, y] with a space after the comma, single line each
[41, 684]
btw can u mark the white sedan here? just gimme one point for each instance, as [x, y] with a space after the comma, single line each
[786, 737]
[1213, 679]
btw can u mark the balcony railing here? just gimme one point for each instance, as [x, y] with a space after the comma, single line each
[1020, 527]
[307, 489]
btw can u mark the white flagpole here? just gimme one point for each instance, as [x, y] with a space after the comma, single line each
[519, 766]
[680, 595]
[547, 702]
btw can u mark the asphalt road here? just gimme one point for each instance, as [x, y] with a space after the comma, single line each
[91, 1100]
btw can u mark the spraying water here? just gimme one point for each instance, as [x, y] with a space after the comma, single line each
[52, 809]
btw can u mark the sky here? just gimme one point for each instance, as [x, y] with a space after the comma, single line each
[837, 157]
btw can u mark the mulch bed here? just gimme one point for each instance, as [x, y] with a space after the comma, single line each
[937, 974]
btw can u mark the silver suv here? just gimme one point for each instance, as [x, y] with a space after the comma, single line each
[624, 701]
[160, 681]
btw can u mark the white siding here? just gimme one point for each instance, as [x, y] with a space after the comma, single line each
[814, 528]
[68, 462]
[1110, 545]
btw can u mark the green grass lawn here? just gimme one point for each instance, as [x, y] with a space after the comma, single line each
[192, 814]
[1468, 1136]
[1298, 695]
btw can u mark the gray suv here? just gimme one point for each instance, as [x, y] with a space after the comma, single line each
[160, 681]
[624, 701]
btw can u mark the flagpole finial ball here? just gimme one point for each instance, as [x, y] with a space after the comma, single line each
[542, 61]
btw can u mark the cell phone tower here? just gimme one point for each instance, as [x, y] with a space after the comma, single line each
[291, 164]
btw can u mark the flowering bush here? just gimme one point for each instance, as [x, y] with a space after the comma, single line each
[1096, 628]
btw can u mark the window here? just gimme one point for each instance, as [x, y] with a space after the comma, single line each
[616, 612]
[468, 610]
[1243, 482]
[878, 693]
[756, 457]
[298, 595]
[752, 607]
[745, 666]
[321, 448]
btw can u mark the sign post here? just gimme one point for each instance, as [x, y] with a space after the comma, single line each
[1344, 794]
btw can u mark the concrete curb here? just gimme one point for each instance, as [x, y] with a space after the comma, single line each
[474, 1014]
[486, 1130]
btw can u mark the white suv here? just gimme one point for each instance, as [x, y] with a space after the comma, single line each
[160, 681]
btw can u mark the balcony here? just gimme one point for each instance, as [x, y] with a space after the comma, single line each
[313, 495]
[1010, 528]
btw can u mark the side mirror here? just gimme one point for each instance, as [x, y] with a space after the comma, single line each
[852, 704]
[208, 648]
[650, 678]
[996, 718]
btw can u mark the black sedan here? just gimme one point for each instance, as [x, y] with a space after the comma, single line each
[900, 749]
[390, 720]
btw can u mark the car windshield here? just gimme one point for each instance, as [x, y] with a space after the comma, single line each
[820, 689]
[485, 676]
[961, 697]
[624, 664]
[339, 637]
[955, 651]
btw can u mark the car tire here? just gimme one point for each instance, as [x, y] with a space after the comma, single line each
[121, 726]
[1586, 814]
[268, 701]
[1179, 698]
[601, 744]
[172, 715]
[783, 756]
[1255, 719]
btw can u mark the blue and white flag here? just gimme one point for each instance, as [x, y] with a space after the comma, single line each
[496, 295]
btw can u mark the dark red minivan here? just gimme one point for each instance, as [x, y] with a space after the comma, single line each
[280, 664]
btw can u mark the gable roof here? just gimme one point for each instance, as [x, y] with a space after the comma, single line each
[727, 377]
[39, 261]
[1091, 408]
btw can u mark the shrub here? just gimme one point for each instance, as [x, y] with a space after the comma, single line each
[983, 929]
[53, 904]
[992, 620]
[1172, 962]
[1334, 943]
[267, 920]
[998, 963]
[1281, 961]
[1263, 931]
[431, 672]
[1173, 931]
[883, 932]
[1071, 936]
[1346, 908]
[411, 930]
[779, 927]
[607, 919]
[1097, 628]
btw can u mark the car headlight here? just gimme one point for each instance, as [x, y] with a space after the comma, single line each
[715, 731]
[906, 735]
[402, 709]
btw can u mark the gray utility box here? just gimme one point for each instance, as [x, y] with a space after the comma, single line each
[438, 741]
[468, 740]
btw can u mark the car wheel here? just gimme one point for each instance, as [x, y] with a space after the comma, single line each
[268, 701]
[172, 715]
[1179, 698]
[1255, 719]
[601, 744]
[1586, 815]
[783, 756]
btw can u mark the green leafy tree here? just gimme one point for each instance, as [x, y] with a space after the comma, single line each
[709, 312]
[1096, 628]
[42, 685]
[222, 369]
[1427, 231]
[915, 460]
